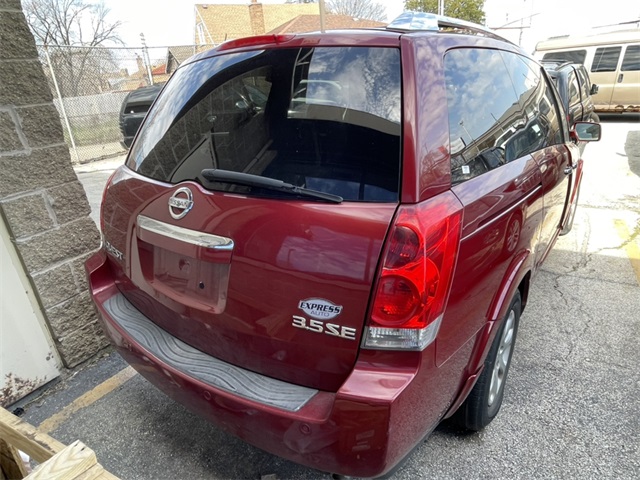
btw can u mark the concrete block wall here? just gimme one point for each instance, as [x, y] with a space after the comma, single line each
[41, 200]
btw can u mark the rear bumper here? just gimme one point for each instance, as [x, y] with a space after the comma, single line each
[364, 429]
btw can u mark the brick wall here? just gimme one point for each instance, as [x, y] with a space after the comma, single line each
[226, 22]
[41, 200]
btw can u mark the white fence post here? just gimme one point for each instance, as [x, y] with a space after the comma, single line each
[62, 109]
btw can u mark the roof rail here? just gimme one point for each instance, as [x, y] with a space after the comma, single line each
[420, 21]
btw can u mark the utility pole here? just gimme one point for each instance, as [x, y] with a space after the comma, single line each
[321, 7]
[145, 57]
[440, 7]
[521, 29]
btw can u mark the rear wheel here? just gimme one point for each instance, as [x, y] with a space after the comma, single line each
[484, 401]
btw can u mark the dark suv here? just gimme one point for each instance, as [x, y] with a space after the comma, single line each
[133, 110]
[323, 243]
[575, 88]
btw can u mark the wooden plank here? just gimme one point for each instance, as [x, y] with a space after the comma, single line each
[26, 437]
[94, 473]
[75, 462]
[67, 464]
[11, 463]
[106, 475]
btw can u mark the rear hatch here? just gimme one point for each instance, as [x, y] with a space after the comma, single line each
[266, 182]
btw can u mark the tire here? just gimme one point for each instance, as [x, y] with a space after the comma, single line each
[595, 118]
[484, 401]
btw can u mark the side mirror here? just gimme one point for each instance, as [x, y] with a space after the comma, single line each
[586, 131]
[594, 89]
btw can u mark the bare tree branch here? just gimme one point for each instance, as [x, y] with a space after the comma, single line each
[71, 22]
[365, 9]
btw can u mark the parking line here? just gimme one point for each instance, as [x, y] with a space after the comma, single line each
[87, 399]
[631, 247]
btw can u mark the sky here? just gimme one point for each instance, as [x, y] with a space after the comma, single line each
[547, 18]
[171, 22]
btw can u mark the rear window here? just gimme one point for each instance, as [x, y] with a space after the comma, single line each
[325, 118]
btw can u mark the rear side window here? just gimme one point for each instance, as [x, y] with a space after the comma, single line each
[585, 83]
[325, 118]
[542, 126]
[631, 60]
[500, 109]
[573, 56]
[606, 59]
[483, 111]
[574, 89]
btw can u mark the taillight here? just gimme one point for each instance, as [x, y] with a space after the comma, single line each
[415, 275]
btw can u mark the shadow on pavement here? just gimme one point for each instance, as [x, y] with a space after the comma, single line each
[632, 149]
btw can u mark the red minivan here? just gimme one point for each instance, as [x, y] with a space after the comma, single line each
[323, 243]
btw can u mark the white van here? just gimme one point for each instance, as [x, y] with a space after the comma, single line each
[613, 62]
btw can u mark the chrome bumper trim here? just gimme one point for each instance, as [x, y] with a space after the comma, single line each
[200, 239]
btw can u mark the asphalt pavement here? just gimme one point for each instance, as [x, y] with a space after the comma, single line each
[571, 408]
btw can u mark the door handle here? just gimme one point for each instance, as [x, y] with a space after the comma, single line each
[568, 170]
[620, 77]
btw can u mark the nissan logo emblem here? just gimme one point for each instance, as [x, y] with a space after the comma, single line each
[180, 203]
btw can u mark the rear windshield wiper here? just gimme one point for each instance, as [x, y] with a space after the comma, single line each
[228, 176]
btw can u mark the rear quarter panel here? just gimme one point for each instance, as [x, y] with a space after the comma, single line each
[503, 210]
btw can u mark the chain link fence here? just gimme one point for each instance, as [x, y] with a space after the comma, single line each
[89, 85]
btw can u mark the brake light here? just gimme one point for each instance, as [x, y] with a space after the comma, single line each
[254, 41]
[415, 276]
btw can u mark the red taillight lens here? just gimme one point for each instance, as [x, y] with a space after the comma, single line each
[404, 247]
[397, 299]
[415, 276]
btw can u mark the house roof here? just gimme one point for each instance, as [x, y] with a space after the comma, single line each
[176, 55]
[180, 53]
[159, 70]
[311, 23]
[226, 22]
